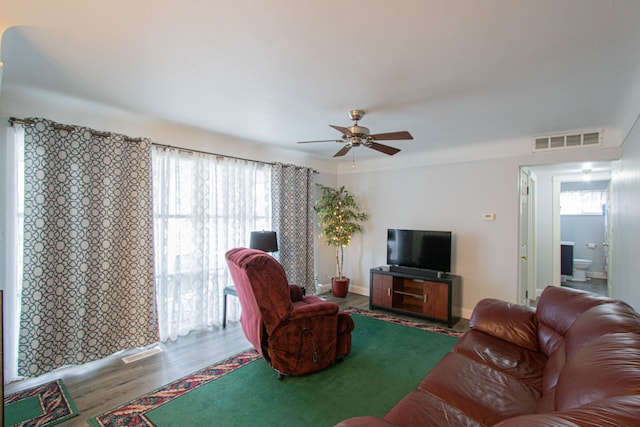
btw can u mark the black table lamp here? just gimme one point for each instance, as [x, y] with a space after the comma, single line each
[264, 241]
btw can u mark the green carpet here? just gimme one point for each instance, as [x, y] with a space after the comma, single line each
[43, 406]
[388, 359]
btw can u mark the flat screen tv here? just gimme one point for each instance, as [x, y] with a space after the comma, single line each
[429, 250]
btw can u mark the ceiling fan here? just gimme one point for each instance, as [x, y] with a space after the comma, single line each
[355, 136]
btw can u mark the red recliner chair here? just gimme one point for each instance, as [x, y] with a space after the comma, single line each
[295, 334]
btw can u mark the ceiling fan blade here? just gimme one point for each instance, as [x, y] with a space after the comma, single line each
[344, 150]
[322, 140]
[344, 131]
[383, 148]
[396, 136]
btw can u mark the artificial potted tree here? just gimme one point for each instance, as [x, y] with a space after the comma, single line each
[340, 219]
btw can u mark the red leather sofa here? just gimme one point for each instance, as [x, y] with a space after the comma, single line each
[572, 361]
[296, 334]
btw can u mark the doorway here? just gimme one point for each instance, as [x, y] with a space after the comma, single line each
[546, 231]
[583, 225]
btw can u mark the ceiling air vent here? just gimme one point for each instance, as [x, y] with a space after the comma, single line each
[565, 142]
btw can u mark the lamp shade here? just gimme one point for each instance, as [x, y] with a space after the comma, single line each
[264, 241]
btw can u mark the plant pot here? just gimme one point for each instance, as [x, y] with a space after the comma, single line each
[339, 287]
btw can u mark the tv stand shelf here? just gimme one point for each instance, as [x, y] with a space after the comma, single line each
[415, 292]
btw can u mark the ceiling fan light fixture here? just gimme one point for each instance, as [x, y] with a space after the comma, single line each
[355, 136]
[355, 141]
[359, 130]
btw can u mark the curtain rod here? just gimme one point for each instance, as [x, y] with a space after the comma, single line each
[28, 122]
[191, 150]
[58, 126]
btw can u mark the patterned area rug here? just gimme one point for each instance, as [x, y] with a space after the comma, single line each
[135, 412]
[387, 318]
[42, 406]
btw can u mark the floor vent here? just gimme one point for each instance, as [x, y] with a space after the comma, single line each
[142, 355]
[567, 142]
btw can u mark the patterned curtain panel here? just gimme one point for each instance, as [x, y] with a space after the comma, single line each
[88, 247]
[293, 216]
[204, 205]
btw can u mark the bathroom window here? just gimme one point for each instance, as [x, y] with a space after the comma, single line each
[585, 202]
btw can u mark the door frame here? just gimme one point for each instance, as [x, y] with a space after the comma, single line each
[601, 170]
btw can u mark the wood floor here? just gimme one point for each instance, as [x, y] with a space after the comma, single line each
[99, 386]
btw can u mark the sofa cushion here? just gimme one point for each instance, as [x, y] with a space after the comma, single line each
[510, 322]
[601, 316]
[608, 366]
[614, 317]
[423, 409]
[557, 309]
[518, 362]
[612, 412]
[550, 379]
[481, 392]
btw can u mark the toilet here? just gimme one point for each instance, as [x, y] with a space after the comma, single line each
[580, 269]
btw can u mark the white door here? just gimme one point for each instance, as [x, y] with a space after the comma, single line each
[606, 243]
[526, 273]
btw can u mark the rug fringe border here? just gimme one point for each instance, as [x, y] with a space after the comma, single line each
[404, 322]
[45, 392]
[135, 410]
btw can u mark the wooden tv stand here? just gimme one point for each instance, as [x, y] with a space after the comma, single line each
[416, 292]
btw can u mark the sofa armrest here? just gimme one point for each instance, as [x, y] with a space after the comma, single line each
[310, 307]
[513, 323]
[366, 421]
[295, 292]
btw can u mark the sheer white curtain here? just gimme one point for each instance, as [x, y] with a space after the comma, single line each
[204, 205]
[12, 267]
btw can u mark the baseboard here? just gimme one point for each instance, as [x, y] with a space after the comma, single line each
[326, 287]
[360, 290]
[323, 288]
[142, 355]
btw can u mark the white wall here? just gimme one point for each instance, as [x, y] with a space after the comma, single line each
[625, 188]
[24, 103]
[451, 196]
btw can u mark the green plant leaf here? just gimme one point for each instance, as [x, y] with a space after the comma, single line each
[339, 219]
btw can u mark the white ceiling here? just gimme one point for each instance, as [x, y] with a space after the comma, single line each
[449, 71]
